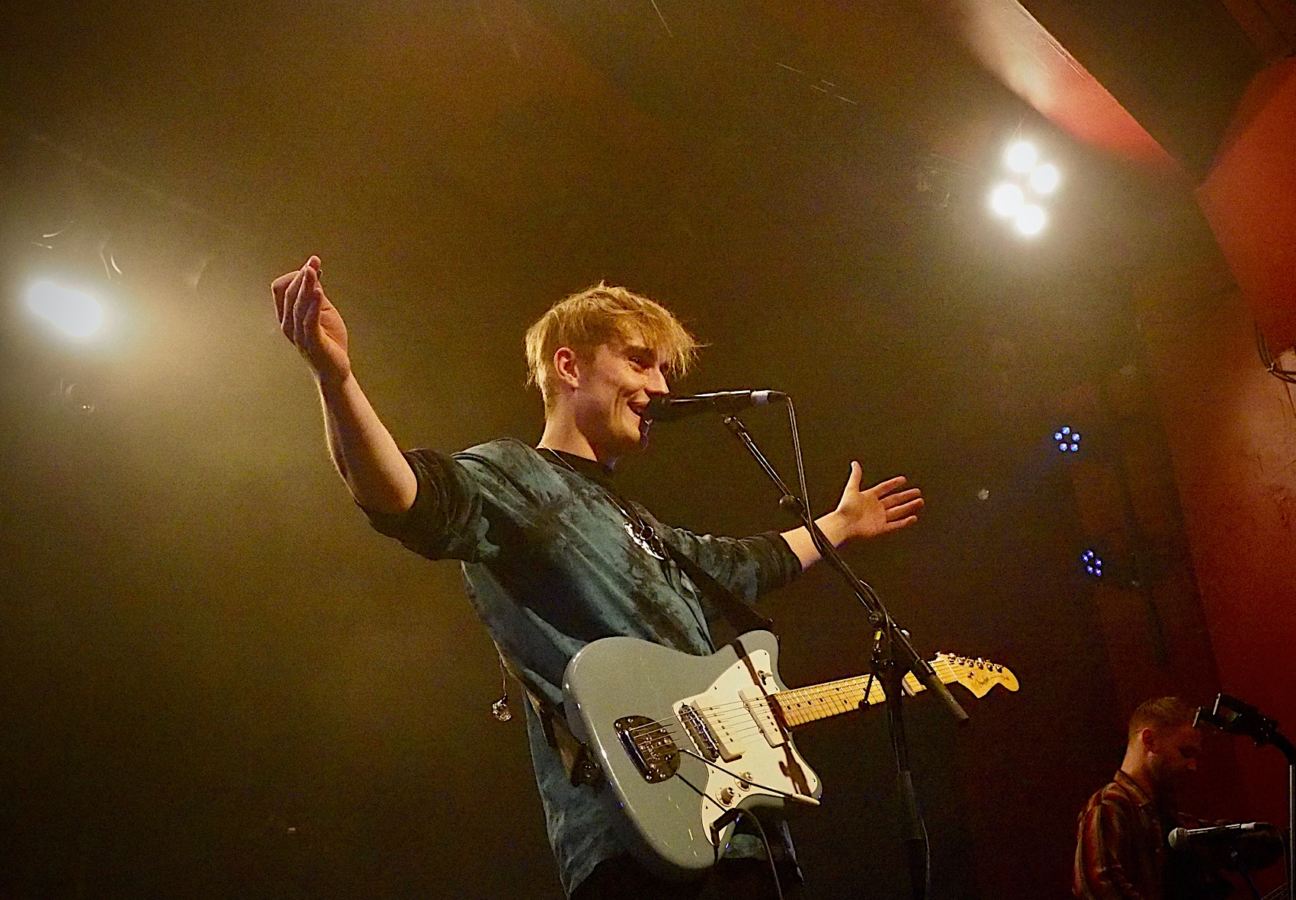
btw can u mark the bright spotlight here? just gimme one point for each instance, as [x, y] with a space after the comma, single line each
[1044, 179]
[1021, 156]
[1030, 220]
[1006, 199]
[1020, 196]
[75, 313]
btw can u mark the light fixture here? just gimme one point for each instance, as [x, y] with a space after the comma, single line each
[1092, 563]
[1030, 220]
[1018, 198]
[1044, 179]
[1067, 439]
[1021, 156]
[74, 313]
[1006, 199]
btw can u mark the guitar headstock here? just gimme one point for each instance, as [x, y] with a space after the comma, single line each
[977, 675]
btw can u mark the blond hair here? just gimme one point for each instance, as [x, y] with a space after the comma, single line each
[604, 314]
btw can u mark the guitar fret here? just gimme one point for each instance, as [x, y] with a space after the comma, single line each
[802, 705]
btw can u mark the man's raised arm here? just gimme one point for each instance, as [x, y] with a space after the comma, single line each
[366, 455]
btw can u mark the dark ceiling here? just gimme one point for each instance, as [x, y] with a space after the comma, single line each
[460, 165]
[211, 655]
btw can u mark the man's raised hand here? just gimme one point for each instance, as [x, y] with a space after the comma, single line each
[311, 322]
[881, 509]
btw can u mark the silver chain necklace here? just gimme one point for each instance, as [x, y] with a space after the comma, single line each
[641, 533]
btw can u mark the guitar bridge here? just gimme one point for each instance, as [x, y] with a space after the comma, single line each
[697, 729]
[649, 746]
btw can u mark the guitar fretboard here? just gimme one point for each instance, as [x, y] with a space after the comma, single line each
[832, 698]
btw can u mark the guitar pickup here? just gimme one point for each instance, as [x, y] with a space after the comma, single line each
[758, 707]
[715, 732]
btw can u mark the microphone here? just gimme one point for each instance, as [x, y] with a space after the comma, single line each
[666, 409]
[1184, 838]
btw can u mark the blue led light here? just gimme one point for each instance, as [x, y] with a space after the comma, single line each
[1092, 563]
[1067, 440]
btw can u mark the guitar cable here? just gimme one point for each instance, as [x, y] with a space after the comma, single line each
[769, 851]
[798, 798]
[735, 813]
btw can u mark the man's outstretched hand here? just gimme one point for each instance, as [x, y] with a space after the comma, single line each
[881, 509]
[311, 322]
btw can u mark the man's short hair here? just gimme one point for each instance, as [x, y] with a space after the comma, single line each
[604, 314]
[1162, 712]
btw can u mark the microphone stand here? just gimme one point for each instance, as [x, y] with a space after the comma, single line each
[1240, 864]
[892, 657]
[1236, 717]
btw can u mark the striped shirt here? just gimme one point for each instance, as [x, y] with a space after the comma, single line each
[1120, 844]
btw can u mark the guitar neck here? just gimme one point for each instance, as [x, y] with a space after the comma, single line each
[832, 698]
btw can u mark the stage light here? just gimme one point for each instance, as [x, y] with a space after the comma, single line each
[1045, 178]
[1030, 220]
[1021, 156]
[1006, 199]
[1067, 439]
[75, 313]
[1026, 176]
[1092, 563]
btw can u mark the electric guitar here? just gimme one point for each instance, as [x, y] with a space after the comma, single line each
[686, 741]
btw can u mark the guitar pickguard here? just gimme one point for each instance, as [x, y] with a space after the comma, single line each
[757, 763]
[683, 741]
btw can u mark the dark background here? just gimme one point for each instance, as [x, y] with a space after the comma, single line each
[219, 682]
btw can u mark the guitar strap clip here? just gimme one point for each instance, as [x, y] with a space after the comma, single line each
[574, 754]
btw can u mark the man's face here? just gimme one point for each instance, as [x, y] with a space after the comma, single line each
[1173, 755]
[617, 381]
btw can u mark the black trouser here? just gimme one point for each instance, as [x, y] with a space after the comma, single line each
[623, 877]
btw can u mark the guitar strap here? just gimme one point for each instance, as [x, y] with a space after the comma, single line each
[741, 616]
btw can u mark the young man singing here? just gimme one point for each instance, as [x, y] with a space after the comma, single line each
[553, 556]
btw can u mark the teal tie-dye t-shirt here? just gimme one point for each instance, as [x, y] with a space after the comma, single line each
[549, 566]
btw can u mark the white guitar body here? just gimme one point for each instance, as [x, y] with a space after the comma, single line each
[683, 740]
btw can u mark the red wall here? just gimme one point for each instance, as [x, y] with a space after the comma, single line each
[1233, 426]
[1249, 198]
[1232, 434]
